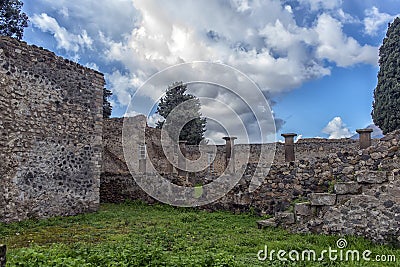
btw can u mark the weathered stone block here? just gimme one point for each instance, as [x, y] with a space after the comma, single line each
[303, 209]
[284, 218]
[371, 177]
[341, 199]
[322, 199]
[347, 188]
[303, 212]
[348, 170]
[266, 223]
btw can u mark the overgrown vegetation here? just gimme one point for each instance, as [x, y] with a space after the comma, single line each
[135, 234]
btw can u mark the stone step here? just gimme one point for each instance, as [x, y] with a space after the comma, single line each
[267, 223]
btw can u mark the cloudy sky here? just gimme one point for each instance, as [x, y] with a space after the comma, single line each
[314, 60]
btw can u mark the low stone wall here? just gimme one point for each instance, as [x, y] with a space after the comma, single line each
[365, 201]
[50, 133]
[309, 149]
[119, 188]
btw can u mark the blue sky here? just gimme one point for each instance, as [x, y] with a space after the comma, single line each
[315, 60]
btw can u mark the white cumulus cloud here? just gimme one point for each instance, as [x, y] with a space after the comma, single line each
[153, 119]
[337, 129]
[374, 20]
[121, 85]
[298, 138]
[65, 39]
[344, 50]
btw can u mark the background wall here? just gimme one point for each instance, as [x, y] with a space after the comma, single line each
[319, 163]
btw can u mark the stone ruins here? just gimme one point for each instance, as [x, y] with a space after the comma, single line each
[59, 157]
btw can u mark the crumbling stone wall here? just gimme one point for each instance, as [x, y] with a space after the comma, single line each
[50, 133]
[117, 183]
[364, 199]
[320, 162]
[310, 149]
[351, 190]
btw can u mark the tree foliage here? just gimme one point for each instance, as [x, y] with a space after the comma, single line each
[107, 108]
[12, 19]
[386, 106]
[193, 130]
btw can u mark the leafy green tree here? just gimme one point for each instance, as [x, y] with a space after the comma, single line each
[386, 106]
[193, 130]
[12, 19]
[107, 108]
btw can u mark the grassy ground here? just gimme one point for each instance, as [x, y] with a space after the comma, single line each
[135, 234]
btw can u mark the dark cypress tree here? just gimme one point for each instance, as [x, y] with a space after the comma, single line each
[12, 19]
[107, 108]
[193, 131]
[386, 106]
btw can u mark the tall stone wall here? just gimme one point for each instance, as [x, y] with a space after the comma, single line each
[50, 133]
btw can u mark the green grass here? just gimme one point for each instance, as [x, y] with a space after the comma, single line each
[135, 234]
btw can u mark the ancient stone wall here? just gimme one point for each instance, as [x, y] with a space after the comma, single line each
[50, 133]
[311, 149]
[307, 149]
[319, 163]
[364, 199]
[344, 185]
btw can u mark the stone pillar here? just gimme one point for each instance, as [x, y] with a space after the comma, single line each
[182, 159]
[289, 146]
[365, 137]
[3, 251]
[229, 153]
